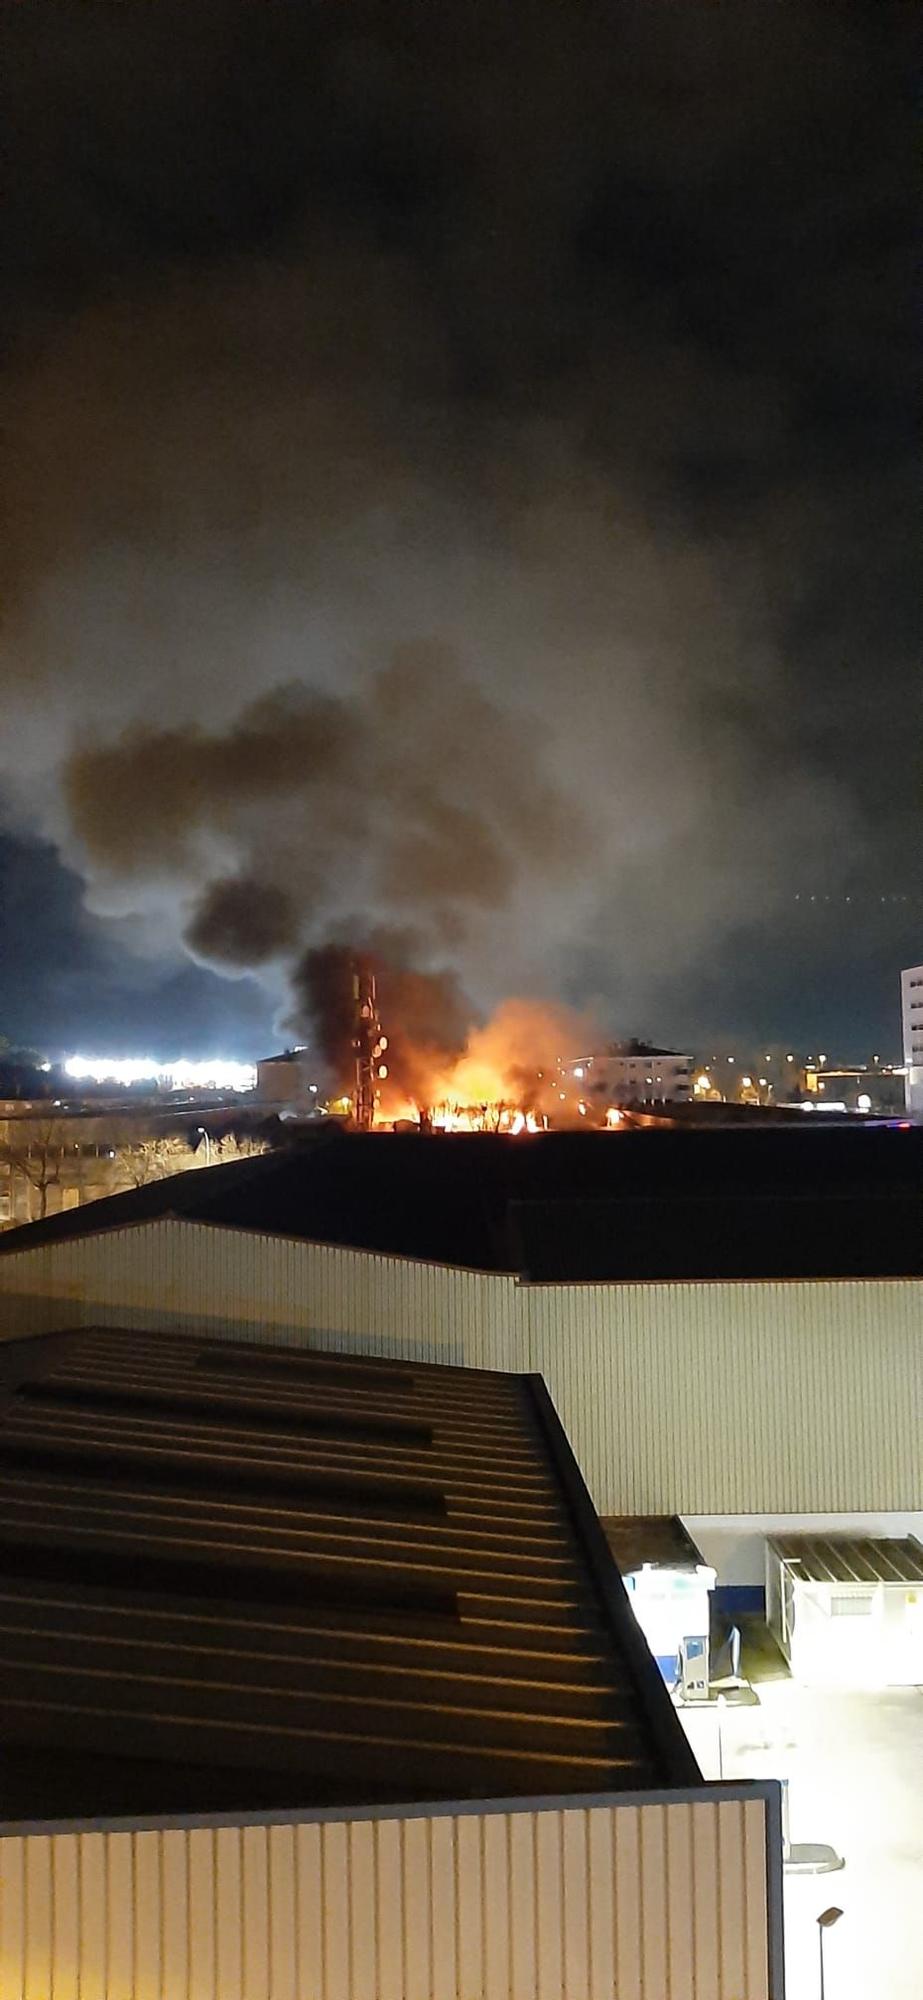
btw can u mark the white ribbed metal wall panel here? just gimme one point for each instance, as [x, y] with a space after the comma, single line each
[164, 1272]
[610, 1902]
[690, 1398]
[797, 1397]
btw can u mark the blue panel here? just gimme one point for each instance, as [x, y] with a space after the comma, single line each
[669, 1667]
[739, 1597]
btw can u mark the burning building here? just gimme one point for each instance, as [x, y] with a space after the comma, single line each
[399, 1046]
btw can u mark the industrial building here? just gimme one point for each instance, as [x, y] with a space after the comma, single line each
[729, 1323]
[283, 1083]
[876, 1089]
[317, 1678]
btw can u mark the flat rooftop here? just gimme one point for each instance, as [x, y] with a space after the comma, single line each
[658, 1539]
[565, 1207]
[242, 1577]
[852, 1558]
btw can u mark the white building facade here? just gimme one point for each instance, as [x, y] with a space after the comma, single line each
[283, 1082]
[912, 1031]
[637, 1073]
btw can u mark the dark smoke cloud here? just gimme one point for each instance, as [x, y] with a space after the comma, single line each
[583, 344]
[241, 922]
[414, 794]
[425, 1015]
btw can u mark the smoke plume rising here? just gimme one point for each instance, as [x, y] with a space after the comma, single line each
[425, 1015]
[490, 357]
[439, 1058]
[414, 797]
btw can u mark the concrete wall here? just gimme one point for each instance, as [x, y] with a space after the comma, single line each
[699, 1399]
[638, 1899]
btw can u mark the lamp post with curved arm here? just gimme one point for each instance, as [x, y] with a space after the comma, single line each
[825, 1922]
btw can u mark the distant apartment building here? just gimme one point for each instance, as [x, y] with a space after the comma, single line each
[640, 1073]
[912, 1027]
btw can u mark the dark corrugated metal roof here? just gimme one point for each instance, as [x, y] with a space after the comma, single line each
[660, 1539]
[566, 1206]
[735, 1235]
[247, 1577]
[852, 1558]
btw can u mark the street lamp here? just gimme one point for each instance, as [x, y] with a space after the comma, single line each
[200, 1129]
[825, 1922]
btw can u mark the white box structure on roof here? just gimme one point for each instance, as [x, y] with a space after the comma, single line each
[847, 1611]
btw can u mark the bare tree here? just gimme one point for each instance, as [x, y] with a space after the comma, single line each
[36, 1153]
[238, 1147]
[154, 1159]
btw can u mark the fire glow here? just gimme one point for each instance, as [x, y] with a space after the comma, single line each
[492, 1116]
[514, 1076]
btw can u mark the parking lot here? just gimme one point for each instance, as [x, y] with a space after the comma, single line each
[854, 1762]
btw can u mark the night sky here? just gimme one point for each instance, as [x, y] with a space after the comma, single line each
[461, 480]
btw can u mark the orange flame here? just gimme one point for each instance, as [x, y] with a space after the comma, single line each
[521, 1072]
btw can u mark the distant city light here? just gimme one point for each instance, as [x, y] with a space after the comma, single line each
[217, 1074]
[863, 1102]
